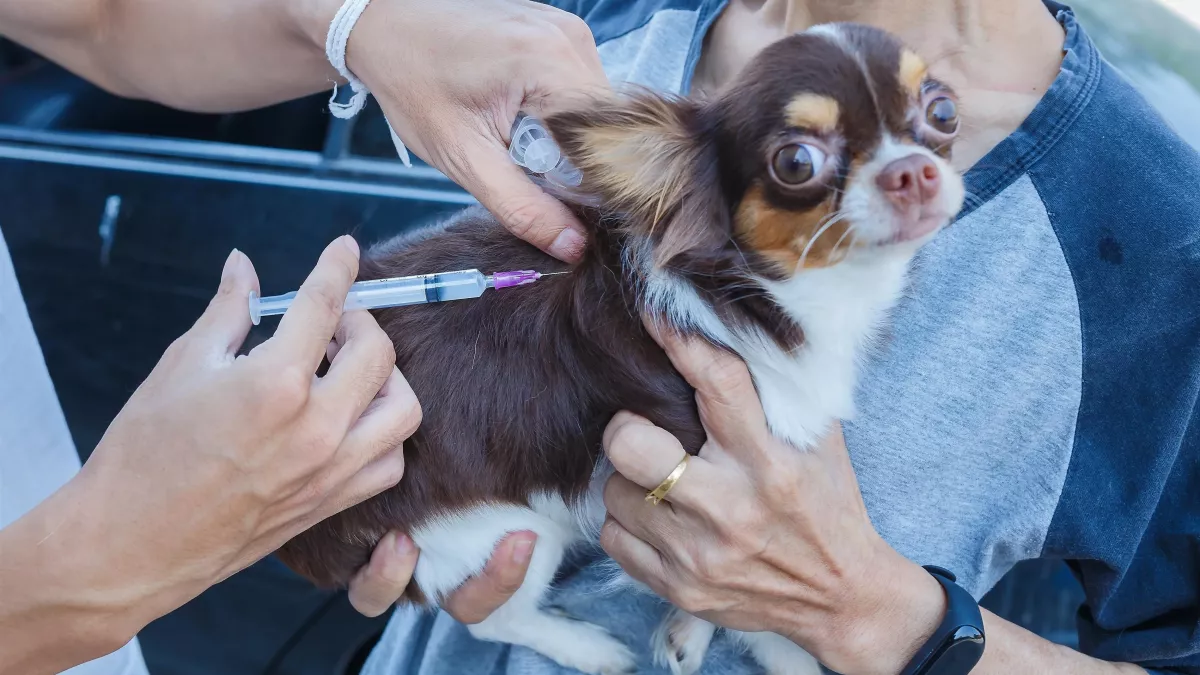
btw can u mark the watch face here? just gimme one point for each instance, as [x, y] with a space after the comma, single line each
[961, 652]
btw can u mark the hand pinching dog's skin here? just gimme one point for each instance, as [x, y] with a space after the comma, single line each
[777, 220]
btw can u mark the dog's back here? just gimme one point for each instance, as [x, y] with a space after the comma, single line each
[516, 387]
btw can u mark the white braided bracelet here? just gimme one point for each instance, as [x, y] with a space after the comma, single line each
[335, 50]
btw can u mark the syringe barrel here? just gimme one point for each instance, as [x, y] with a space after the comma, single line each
[396, 292]
[416, 290]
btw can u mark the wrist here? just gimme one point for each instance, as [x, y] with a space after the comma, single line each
[128, 547]
[310, 19]
[899, 606]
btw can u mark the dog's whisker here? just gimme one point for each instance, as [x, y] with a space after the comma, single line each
[838, 243]
[837, 218]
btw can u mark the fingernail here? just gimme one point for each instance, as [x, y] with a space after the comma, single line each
[568, 245]
[351, 244]
[231, 263]
[660, 330]
[523, 550]
[606, 530]
[388, 541]
[233, 270]
[404, 545]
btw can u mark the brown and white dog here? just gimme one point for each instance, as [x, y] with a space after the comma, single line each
[777, 220]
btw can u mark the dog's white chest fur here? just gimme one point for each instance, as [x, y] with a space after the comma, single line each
[840, 310]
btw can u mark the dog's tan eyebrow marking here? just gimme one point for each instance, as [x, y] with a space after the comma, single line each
[912, 71]
[813, 111]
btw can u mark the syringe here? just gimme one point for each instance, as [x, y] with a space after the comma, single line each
[400, 291]
[533, 149]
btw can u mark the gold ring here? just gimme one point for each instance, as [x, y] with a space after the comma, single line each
[659, 493]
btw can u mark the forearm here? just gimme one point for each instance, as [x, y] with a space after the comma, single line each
[1012, 649]
[212, 56]
[72, 587]
[48, 621]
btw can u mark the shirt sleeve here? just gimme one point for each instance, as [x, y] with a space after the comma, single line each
[1123, 193]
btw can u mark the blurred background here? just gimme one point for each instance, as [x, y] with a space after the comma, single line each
[130, 209]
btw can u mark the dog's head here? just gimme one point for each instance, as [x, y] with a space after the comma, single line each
[831, 144]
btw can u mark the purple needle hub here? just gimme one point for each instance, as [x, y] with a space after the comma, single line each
[515, 278]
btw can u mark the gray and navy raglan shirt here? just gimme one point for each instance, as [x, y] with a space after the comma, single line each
[1037, 396]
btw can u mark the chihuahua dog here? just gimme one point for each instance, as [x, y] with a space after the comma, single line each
[776, 220]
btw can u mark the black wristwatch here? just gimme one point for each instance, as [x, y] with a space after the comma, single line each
[957, 644]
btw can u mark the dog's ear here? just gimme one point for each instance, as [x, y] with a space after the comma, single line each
[651, 159]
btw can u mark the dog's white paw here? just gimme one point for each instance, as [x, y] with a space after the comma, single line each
[778, 655]
[589, 648]
[681, 641]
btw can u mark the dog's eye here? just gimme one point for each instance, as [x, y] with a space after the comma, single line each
[942, 114]
[797, 163]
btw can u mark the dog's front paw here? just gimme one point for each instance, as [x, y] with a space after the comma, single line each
[681, 641]
[595, 652]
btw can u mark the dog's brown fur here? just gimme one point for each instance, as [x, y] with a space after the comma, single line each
[515, 388]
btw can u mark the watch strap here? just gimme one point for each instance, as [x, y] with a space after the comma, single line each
[957, 644]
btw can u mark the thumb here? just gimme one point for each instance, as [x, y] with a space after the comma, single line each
[729, 405]
[382, 581]
[226, 321]
[481, 595]
[524, 209]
